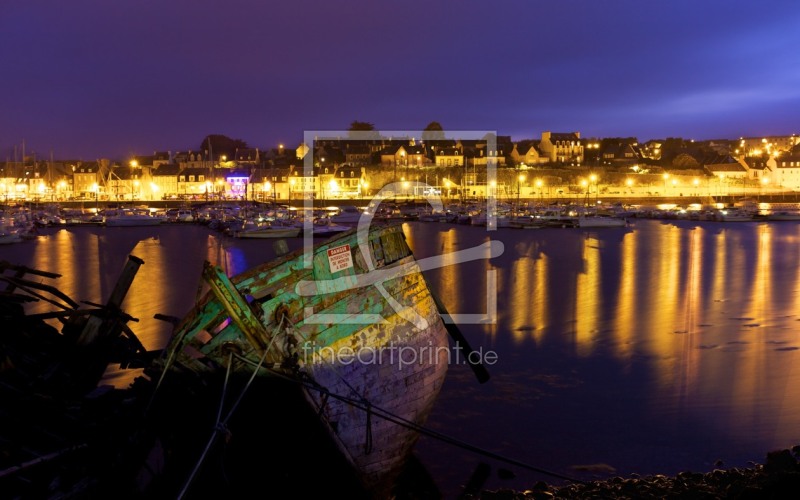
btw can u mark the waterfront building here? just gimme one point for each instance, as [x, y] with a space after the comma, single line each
[784, 171]
[349, 181]
[528, 153]
[768, 145]
[165, 180]
[562, 147]
[449, 157]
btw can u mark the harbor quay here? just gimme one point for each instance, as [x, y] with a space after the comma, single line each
[642, 199]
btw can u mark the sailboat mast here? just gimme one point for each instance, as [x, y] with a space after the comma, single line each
[213, 172]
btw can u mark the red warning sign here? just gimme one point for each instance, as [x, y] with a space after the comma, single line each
[340, 258]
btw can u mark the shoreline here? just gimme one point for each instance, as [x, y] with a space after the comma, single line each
[777, 477]
[785, 197]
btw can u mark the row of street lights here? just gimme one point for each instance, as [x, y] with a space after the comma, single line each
[589, 185]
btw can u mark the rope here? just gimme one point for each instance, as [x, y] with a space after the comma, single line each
[396, 419]
[322, 405]
[217, 428]
[325, 392]
[223, 425]
[169, 362]
[368, 440]
[225, 385]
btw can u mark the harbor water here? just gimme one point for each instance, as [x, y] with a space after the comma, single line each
[661, 347]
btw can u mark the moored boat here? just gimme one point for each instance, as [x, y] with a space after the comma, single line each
[598, 220]
[265, 229]
[734, 215]
[324, 227]
[351, 322]
[8, 237]
[132, 217]
[348, 214]
[784, 215]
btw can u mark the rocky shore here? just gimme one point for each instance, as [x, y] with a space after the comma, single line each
[777, 478]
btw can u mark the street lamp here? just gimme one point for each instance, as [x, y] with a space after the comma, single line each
[666, 176]
[585, 186]
[520, 178]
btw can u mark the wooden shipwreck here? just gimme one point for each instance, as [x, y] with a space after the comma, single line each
[346, 330]
[60, 434]
[351, 322]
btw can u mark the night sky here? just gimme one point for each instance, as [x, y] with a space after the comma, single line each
[84, 79]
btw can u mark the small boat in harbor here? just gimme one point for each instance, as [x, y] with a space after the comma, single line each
[324, 227]
[132, 217]
[331, 322]
[784, 215]
[598, 220]
[265, 229]
[348, 214]
[9, 236]
[734, 215]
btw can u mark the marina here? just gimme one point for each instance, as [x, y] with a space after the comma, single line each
[242, 260]
[638, 349]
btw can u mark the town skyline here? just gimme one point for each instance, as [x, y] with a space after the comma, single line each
[23, 151]
[96, 79]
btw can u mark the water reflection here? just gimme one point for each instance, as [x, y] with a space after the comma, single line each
[588, 296]
[624, 326]
[654, 349]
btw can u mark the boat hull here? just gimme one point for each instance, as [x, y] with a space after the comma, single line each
[601, 222]
[361, 334]
[9, 238]
[124, 221]
[271, 232]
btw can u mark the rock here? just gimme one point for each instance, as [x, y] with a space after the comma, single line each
[780, 461]
[779, 477]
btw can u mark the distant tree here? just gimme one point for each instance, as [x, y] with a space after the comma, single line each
[673, 143]
[684, 161]
[433, 132]
[356, 125]
[362, 130]
[221, 145]
[616, 141]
